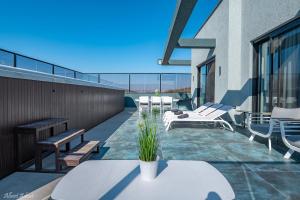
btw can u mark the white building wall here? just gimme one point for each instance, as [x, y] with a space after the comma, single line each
[234, 24]
[216, 27]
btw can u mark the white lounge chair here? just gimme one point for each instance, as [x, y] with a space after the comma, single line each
[143, 102]
[204, 111]
[291, 141]
[212, 117]
[155, 102]
[263, 125]
[170, 114]
[166, 102]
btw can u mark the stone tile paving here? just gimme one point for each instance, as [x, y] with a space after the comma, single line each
[253, 172]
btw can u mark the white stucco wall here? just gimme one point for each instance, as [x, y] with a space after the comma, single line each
[216, 27]
[234, 24]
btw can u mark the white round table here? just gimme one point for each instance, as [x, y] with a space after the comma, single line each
[120, 179]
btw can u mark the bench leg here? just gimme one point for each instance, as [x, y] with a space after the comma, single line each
[82, 138]
[97, 149]
[57, 164]
[38, 158]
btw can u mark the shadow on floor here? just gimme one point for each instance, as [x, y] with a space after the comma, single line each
[120, 186]
[25, 185]
[104, 130]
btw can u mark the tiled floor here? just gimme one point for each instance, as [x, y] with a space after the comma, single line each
[253, 172]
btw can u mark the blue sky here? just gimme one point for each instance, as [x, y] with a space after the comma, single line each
[96, 35]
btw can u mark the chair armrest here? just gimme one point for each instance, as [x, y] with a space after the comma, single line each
[258, 117]
[289, 126]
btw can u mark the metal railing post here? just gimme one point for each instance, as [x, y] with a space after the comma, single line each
[15, 60]
[129, 82]
[160, 83]
[53, 70]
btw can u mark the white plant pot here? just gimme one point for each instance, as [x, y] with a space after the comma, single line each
[148, 170]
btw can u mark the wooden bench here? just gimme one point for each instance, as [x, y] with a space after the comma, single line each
[55, 143]
[79, 154]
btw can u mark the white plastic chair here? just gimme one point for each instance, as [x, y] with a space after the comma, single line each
[143, 102]
[166, 102]
[155, 102]
[264, 125]
[291, 141]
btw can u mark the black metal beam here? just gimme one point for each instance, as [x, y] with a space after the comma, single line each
[183, 12]
[197, 43]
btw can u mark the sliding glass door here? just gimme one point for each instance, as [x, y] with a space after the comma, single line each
[289, 69]
[206, 83]
[279, 71]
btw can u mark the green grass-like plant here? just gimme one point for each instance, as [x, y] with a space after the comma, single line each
[144, 115]
[148, 142]
[155, 112]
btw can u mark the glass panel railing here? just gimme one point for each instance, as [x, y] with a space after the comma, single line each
[64, 72]
[130, 82]
[183, 83]
[174, 83]
[144, 83]
[6, 58]
[91, 78]
[34, 65]
[115, 80]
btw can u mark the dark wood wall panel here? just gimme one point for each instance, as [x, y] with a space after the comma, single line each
[24, 101]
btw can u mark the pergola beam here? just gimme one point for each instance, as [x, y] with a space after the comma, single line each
[176, 62]
[183, 12]
[180, 62]
[196, 43]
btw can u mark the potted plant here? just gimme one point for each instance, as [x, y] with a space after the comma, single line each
[148, 146]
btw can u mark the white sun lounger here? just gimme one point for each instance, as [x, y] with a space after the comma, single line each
[212, 117]
[170, 114]
[203, 113]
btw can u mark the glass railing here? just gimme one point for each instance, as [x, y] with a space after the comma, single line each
[130, 82]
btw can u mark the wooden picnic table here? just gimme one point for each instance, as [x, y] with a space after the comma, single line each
[35, 129]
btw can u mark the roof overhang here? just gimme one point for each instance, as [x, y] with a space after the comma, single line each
[184, 9]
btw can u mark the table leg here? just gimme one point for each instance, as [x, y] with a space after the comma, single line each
[52, 131]
[38, 158]
[67, 146]
[66, 126]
